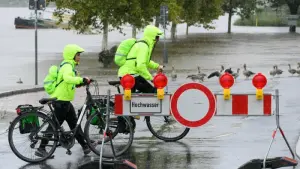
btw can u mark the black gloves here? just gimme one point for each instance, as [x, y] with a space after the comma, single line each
[86, 81]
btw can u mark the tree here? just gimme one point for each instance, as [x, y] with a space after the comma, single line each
[246, 8]
[139, 13]
[200, 12]
[93, 14]
[174, 12]
[293, 7]
[190, 13]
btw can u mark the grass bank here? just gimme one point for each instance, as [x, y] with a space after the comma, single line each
[265, 19]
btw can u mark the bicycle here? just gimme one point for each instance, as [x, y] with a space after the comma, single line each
[166, 119]
[56, 133]
[114, 122]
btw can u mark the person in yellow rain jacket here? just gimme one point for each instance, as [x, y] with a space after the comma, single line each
[65, 92]
[139, 60]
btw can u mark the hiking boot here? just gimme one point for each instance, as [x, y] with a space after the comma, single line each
[42, 153]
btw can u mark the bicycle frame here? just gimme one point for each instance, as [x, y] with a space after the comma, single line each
[89, 101]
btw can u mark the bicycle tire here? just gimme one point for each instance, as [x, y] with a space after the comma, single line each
[166, 139]
[87, 117]
[119, 153]
[10, 140]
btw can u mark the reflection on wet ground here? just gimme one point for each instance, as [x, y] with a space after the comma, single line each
[149, 154]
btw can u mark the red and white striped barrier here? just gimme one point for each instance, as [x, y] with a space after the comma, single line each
[244, 104]
[161, 104]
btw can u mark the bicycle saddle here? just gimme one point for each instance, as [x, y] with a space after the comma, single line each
[46, 100]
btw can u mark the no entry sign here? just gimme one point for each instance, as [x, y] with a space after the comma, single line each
[196, 121]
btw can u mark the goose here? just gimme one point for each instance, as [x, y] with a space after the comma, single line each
[20, 81]
[291, 71]
[273, 71]
[196, 77]
[229, 70]
[247, 73]
[173, 74]
[278, 71]
[199, 75]
[199, 72]
[236, 75]
[216, 73]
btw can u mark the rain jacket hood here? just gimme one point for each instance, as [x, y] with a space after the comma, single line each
[150, 34]
[70, 52]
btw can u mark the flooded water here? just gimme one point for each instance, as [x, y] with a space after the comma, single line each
[256, 46]
[219, 144]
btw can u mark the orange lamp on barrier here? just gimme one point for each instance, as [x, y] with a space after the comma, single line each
[259, 81]
[127, 82]
[226, 81]
[160, 81]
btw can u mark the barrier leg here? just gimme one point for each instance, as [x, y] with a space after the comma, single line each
[277, 162]
[107, 132]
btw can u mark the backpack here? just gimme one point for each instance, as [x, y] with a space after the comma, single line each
[50, 81]
[123, 50]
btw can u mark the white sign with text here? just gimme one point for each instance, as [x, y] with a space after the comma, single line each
[147, 105]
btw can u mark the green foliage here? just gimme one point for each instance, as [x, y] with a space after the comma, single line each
[264, 19]
[244, 8]
[201, 12]
[92, 13]
[209, 10]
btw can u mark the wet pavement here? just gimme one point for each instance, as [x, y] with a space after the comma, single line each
[224, 142]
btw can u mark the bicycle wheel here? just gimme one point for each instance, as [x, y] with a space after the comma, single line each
[30, 132]
[121, 141]
[165, 124]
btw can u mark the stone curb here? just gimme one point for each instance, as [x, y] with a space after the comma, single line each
[21, 91]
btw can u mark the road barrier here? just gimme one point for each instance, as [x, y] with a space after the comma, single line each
[165, 104]
[276, 162]
[246, 104]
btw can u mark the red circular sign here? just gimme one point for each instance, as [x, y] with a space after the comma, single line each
[127, 81]
[160, 81]
[259, 81]
[209, 114]
[226, 80]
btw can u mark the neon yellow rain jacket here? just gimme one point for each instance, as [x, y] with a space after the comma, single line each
[66, 90]
[142, 52]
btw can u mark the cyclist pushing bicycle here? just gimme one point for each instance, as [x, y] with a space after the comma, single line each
[66, 80]
[134, 58]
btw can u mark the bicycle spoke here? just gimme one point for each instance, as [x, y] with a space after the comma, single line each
[25, 144]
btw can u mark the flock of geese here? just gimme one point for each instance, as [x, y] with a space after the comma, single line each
[247, 73]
